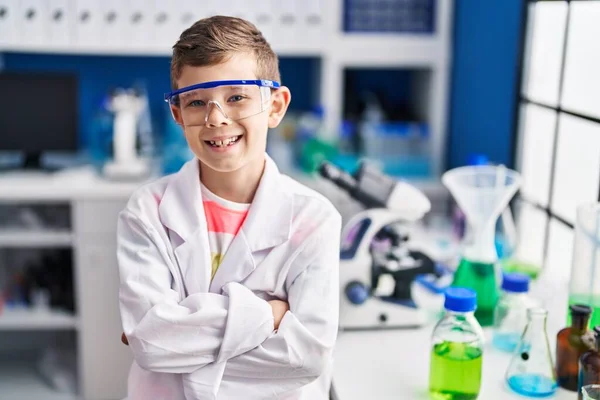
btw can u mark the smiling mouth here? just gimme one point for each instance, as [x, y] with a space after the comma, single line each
[223, 143]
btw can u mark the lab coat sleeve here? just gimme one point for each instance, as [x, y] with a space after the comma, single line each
[167, 333]
[301, 348]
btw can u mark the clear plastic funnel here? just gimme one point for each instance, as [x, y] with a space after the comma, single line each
[482, 192]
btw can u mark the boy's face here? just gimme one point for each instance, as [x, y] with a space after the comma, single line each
[248, 150]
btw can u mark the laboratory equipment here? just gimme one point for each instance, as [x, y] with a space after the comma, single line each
[127, 106]
[510, 316]
[457, 353]
[32, 129]
[570, 345]
[589, 365]
[482, 192]
[531, 371]
[377, 266]
[584, 287]
[590, 392]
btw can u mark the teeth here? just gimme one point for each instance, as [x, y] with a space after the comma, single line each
[223, 143]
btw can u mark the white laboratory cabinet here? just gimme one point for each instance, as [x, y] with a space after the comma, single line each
[94, 330]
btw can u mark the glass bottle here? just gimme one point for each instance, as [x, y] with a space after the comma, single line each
[591, 392]
[570, 346]
[589, 365]
[457, 351]
[510, 315]
[531, 370]
[584, 285]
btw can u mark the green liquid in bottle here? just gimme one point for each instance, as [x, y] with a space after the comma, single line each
[521, 267]
[481, 277]
[592, 301]
[455, 371]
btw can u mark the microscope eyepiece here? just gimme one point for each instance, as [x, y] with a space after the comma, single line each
[329, 171]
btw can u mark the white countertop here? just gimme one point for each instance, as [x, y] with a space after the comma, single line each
[394, 364]
[68, 184]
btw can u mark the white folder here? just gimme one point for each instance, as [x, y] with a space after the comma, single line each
[112, 24]
[88, 14]
[286, 32]
[8, 22]
[312, 23]
[32, 22]
[61, 22]
[263, 18]
[165, 24]
[138, 24]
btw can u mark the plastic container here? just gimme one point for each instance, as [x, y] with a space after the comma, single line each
[510, 316]
[457, 349]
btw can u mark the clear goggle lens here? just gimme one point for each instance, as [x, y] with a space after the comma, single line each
[235, 102]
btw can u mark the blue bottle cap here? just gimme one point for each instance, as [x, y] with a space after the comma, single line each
[515, 282]
[460, 299]
[478, 159]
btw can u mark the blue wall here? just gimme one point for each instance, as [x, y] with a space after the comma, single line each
[483, 92]
[98, 74]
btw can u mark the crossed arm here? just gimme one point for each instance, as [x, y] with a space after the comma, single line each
[163, 330]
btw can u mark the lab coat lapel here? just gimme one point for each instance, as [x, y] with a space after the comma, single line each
[267, 225]
[181, 211]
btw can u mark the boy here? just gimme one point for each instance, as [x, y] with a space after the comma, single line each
[229, 270]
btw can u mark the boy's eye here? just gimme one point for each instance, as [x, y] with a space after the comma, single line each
[235, 98]
[196, 103]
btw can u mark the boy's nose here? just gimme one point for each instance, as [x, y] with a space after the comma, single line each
[215, 116]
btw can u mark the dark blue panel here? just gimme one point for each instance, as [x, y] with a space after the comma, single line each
[483, 92]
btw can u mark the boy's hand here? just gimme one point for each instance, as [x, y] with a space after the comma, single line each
[124, 339]
[279, 308]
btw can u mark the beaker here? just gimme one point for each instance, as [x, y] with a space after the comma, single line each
[482, 192]
[584, 287]
[531, 370]
[591, 392]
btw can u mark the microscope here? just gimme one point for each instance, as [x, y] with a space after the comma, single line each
[377, 266]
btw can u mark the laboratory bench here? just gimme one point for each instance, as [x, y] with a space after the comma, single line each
[394, 364]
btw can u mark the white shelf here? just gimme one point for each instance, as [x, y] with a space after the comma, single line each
[11, 320]
[387, 50]
[31, 238]
[112, 50]
[20, 380]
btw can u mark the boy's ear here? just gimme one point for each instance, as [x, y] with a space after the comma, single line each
[280, 100]
[176, 114]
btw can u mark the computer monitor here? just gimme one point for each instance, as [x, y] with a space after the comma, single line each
[38, 114]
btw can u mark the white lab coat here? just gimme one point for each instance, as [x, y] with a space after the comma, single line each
[196, 339]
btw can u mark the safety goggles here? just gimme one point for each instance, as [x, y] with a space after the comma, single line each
[235, 99]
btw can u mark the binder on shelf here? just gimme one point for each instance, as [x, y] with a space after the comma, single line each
[61, 21]
[32, 22]
[137, 24]
[286, 32]
[112, 21]
[88, 23]
[164, 24]
[262, 15]
[8, 22]
[311, 23]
